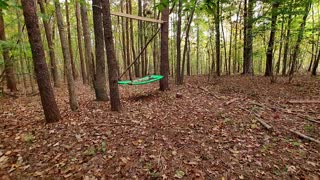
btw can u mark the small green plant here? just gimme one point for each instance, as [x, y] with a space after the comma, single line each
[308, 128]
[103, 147]
[90, 151]
[28, 138]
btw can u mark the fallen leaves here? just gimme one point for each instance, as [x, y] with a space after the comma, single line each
[209, 132]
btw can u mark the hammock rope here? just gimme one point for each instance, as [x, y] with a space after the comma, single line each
[146, 79]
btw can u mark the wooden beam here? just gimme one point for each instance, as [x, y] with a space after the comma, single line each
[137, 17]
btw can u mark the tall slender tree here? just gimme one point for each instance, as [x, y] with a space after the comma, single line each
[79, 40]
[100, 75]
[87, 42]
[48, 31]
[73, 66]
[164, 55]
[269, 54]
[248, 37]
[66, 56]
[49, 104]
[111, 58]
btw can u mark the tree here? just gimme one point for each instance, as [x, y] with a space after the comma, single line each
[79, 40]
[8, 62]
[87, 42]
[66, 56]
[269, 54]
[287, 41]
[100, 75]
[74, 70]
[248, 37]
[164, 55]
[49, 104]
[48, 30]
[111, 58]
[300, 36]
[178, 39]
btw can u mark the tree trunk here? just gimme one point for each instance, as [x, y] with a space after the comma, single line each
[287, 41]
[224, 47]
[48, 31]
[164, 64]
[79, 40]
[66, 56]
[140, 39]
[178, 39]
[87, 42]
[313, 57]
[185, 49]
[100, 76]
[189, 59]
[111, 58]
[21, 60]
[230, 49]
[74, 70]
[198, 43]
[269, 54]
[248, 38]
[315, 65]
[217, 30]
[49, 104]
[280, 48]
[8, 62]
[300, 36]
[127, 41]
[136, 64]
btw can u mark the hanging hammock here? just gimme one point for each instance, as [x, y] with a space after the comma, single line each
[141, 81]
[146, 79]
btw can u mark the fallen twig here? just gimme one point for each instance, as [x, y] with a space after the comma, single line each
[261, 121]
[231, 101]
[304, 136]
[264, 124]
[304, 102]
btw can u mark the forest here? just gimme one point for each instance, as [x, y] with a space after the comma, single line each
[159, 89]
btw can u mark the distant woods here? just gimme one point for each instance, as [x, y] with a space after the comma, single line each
[52, 43]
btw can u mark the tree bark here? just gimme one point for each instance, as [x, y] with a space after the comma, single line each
[287, 40]
[112, 62]
[87, 42]
[48, 31]
[49, 104]
[281, 44]
[248, 38]
[8, 62]
[73, 66]
[217, 39]
[79, 37]
[66, 56]
[178, 39]
[185, 49]
[269, 54]
[100, 75]
[164, 64]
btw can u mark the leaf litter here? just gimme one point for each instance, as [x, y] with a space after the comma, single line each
[200, 130]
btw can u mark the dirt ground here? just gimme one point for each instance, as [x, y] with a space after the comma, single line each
[210, 130]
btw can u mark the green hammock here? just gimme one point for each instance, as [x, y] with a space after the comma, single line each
[141, 81]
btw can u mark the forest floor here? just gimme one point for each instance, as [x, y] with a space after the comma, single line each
[210, 130]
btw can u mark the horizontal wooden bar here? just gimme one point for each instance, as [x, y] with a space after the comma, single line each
[137, 17]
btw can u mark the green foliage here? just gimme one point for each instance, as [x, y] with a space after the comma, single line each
[4, 4]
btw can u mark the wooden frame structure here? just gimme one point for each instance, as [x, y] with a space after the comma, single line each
[137, 17]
